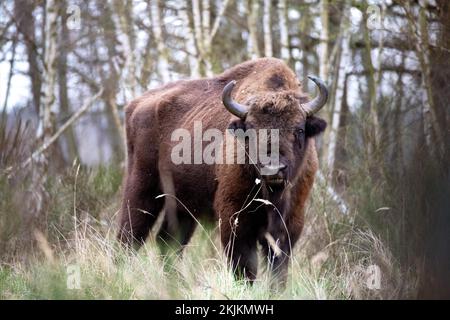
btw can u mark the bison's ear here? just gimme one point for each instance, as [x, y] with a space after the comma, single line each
[314, 126]
[237, 124]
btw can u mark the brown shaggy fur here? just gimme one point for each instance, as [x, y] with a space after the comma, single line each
[273, 93]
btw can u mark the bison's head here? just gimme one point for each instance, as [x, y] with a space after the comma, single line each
[290, 113]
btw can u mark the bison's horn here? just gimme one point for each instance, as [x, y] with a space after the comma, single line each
[318, 102]
[235, 108]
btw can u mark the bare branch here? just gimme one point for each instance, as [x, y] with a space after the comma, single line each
[60, 131]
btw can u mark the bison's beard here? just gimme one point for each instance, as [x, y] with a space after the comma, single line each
[277, 213]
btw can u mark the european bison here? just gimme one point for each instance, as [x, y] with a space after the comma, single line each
[251, 207]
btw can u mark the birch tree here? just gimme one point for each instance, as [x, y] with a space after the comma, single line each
[305, 28]
[109, 76]
[204, 34]
[284, 31]
[64, 101]
[343, 61]
[373, 133]
[324, 39]
[123, 13]
[252, 23]
[198, 33]
[8, 82]
[26, 26]
[50, 72]
[45, 126]
[419, 32]
[267, 29]
[206, 21]
[189, 38]
[163, 56]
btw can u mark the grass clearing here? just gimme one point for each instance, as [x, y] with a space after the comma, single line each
[331, 260]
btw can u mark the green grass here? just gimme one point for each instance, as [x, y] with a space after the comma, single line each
[329, 262]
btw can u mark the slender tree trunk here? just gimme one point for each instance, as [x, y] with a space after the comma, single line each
[163, 64]
[435, 128]
[336, 85]
[267, 28]
[124, 11]
[284, 31]
[373, 134]
[4, 113]
[147, 63]
[198, 33]
[212, 65]
[440, 68]
[193, 57]
[50, 72]
[305, 28]
[218, 19]
[423, 53]
[204, 35]
[324, 40]
[342, 62]
[252, 22]
[397, 151]
[64, 102]
[8, 82]
[110, 81]
[206, 21]
[339, 165]
[39, 196]
[206, 45]
[23, 12]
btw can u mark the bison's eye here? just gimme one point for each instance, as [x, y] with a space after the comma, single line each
[300, 133]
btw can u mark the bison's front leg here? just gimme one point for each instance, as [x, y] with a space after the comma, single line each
[239, 244]
[238, 233]
[278, 253]
[239, 228]
[278, 242]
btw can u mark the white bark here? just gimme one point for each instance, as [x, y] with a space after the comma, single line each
[268, 52]
[420, 33]
[344, 62]
[252, 18]
[127, 42]
[204, 36]
[39, 177]
[8, 82]
[163, 63]
[374, 133]
[324, 37]
[197, 25]
[206, 21]
[189, 37]
[49, 77]
[284, 30]
[200, 37]
[219, 17]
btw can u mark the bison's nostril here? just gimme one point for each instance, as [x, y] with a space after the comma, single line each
[269, 170]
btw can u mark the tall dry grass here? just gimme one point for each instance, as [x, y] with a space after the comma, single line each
[330, 261]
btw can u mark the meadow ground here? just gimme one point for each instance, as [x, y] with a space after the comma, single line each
[337, 257]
